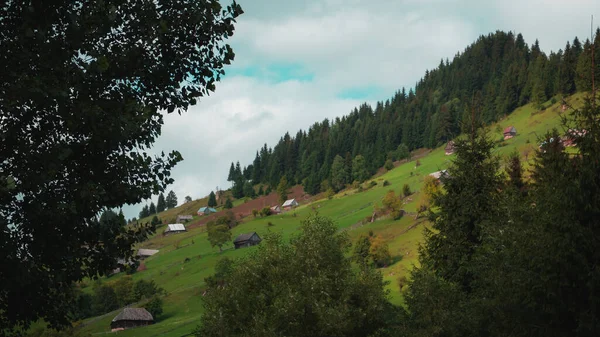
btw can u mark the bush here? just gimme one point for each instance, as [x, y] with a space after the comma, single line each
[265, 212]
[418, 163]
[330, 193]
[270, 224]
[388, 164]
[553, 100]
[372, 183]
[386, 183]
[155, 307]
[355, 184]
[406, 190]
[255, 212]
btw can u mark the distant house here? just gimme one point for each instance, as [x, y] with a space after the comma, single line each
[449, 148]
[131, 318]
[275, 209]
[246, 240]
[144, 253]
[439, 174]
[182, 218]
[289, 204]
[510, 132]
[175, 228]
[206, 210]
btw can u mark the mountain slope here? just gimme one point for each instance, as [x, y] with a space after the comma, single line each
[184, 280]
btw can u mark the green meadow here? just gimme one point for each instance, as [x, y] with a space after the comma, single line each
[186, 259]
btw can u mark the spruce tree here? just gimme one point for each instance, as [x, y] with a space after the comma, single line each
[231, 176]
[467, 206]
[161, 204]
[228, 203]
[152, 209]
[212, 199]
[171, 200]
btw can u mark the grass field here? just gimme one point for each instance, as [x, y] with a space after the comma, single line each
[184, 281]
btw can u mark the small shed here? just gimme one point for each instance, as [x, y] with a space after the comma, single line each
[175, 228]
[289, 204]
[131, 318]
[449, 148]
[439, 174]
[275, 209]
[182, 218]
[144, 253]
[246, 240]
[206, 210]
[510, 132]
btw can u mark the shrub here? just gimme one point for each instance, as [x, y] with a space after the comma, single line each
[255, 212]
[402, 282]
[372, 184]
[418, 163]
[553, 100]
[187, 259]
[155, 307]
[330, 193]
[406, 190]
[270, 224]
[386, 183]
[388, 164]
[355, 184]
[265, 211]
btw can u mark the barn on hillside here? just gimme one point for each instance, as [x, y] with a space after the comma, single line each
[289, 204]
[131, 318]
[510, 132]
[175, 228]
[275, 209]
[206, 210]
[246, 240]
[182, 218]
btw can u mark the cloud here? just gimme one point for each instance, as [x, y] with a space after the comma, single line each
[299, 62]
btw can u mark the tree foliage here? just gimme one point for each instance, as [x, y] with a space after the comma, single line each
[303, 288]
[83, 89]
[283, 189]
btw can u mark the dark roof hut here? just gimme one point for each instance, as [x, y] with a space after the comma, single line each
[131, 318]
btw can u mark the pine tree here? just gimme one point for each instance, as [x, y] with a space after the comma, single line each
[228, 203]
[283, 189]
[161, 204]
[472, 192]
[231, 176]
[171, 200]
[212, 199]
[152, 208]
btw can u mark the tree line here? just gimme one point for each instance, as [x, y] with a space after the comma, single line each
[162, 204]
[497, 73]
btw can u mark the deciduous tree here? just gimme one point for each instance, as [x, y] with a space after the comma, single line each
[83, 90]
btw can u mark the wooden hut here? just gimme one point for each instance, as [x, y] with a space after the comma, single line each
[131, 318]
[246, 240]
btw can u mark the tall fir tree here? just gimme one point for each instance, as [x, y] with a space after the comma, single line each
[161, 204]
[212, 199]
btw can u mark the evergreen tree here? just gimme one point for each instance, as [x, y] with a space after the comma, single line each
[359, 169]
[283, 189]
[249, 190]
[212, 199]
[171, 200]
[228, 203]
[152, 208]
[339, 174]
[231, 176]
[583, 80]
[261, 191]
[161, 204]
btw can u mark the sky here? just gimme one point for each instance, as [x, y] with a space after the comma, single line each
[299, 62]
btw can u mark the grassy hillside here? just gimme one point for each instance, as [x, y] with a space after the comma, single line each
[184, 281]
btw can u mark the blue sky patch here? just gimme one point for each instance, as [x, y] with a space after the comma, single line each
[364, 92]
[274, 73]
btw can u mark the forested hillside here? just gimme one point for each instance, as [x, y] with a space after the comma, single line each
[493, 76]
